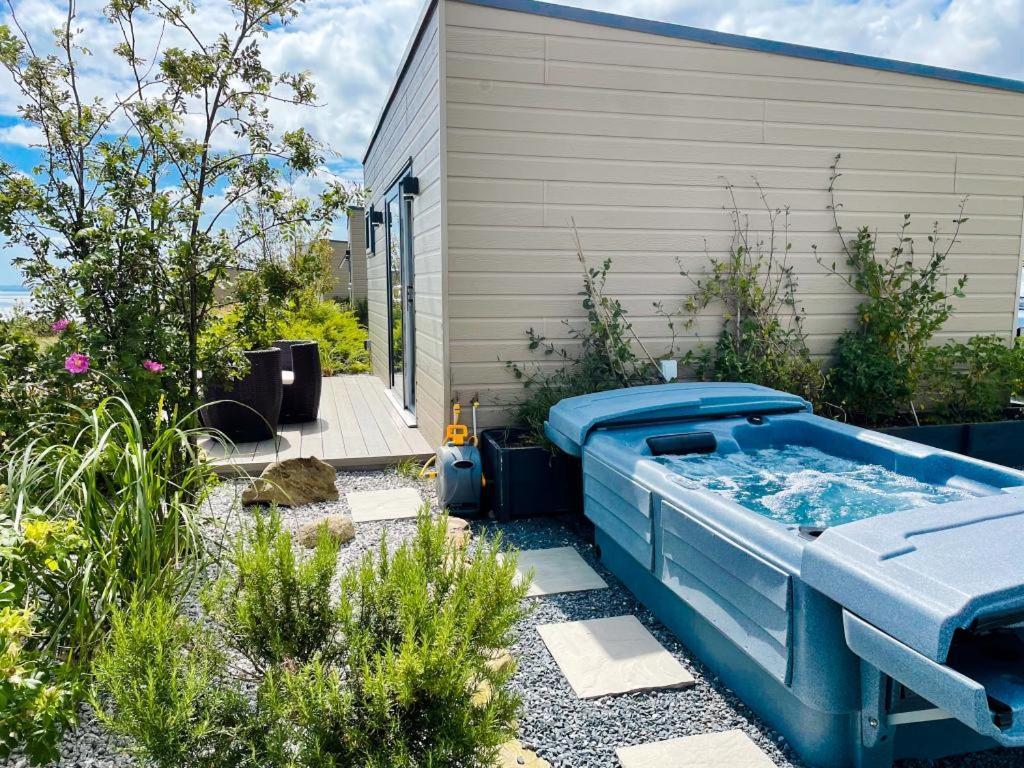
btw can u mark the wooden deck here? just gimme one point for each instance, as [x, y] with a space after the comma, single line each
[359, 428]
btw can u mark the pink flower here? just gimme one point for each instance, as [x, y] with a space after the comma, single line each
[153, 366]
[60, 325]
[77, 363]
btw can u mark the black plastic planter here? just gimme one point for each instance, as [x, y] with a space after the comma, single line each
[1001, 442]
[527, 480]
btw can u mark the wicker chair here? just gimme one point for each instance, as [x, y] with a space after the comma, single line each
[248, 410]
[301, 399]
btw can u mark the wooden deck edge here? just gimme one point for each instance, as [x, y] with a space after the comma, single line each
[352, 463]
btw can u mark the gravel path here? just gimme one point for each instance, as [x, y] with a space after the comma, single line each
[577, 733]
[568, 732]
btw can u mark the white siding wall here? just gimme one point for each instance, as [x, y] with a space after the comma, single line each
[411, 129]
[357, 246]
[339, 270]
[633, 136]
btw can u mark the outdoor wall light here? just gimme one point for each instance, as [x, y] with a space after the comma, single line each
[376, 217]
[410, 186]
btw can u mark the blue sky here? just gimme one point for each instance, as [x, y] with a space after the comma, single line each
[352, 49]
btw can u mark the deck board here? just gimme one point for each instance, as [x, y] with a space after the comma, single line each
[358, 428]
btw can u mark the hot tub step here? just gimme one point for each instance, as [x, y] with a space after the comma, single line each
[600, 657]
[728, 749]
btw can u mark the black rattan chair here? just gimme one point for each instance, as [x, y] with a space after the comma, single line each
[301, 400]
[248, 410]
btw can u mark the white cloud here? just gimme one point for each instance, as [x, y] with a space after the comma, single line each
[352, 47]
[22, 135]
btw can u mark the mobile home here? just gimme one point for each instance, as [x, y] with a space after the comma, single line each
[510, 120]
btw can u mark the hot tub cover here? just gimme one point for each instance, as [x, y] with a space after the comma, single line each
[921, 574]
[573, 419]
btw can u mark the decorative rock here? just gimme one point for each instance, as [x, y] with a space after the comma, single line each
[514, 755]
[458, 532]
[339, 527]
[292, 483]
[500, 658]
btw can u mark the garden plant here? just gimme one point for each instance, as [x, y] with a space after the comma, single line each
[385, 676]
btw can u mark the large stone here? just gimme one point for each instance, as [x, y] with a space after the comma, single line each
[339, 527]
[514, 755]
[459, 532]
[292, 483]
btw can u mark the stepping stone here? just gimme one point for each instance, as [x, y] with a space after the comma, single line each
[600, 657]
[384, 505]
[728, 749]
[556, 570]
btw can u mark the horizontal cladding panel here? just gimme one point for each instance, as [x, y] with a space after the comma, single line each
[639, 102]
[494, 68]
[710, 219]
[882, 138]
[472, 331]
[481, 18]
[905, 118]
[714, 197]
[626, 239]
[723, 59]
[604, 123]
[673, 174]
[493, 43]
[532, 304]
[653, 284]
[811, 88]
[491, 356]
[693, 262]
[684, 150]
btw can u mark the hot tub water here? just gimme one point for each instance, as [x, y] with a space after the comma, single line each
[801, 485]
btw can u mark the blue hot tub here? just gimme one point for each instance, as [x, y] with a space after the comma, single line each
[863, 594]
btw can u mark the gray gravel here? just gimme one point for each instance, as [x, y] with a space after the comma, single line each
[577, 733]
[568, 732]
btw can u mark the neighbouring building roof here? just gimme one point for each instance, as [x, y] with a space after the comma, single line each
[696, 34]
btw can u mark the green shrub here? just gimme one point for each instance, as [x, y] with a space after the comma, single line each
[274, 606]
[874, 378]
[341, 338]
[416, 629]
[970, 381]
[106, 518]
[610, 355]
[165, 690]
[762, 339]
[36, 699]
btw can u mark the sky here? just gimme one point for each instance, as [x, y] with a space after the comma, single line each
[352, 49]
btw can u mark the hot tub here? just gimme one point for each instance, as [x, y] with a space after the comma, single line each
[862, 593]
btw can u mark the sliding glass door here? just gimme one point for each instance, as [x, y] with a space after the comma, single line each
[401, 296]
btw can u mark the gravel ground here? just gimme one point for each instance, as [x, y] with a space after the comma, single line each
[577, 733]
[568, 732]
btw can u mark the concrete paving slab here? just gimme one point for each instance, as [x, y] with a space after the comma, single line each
[390, 504]
[556, 570]
[727, 749]
[600, 657]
